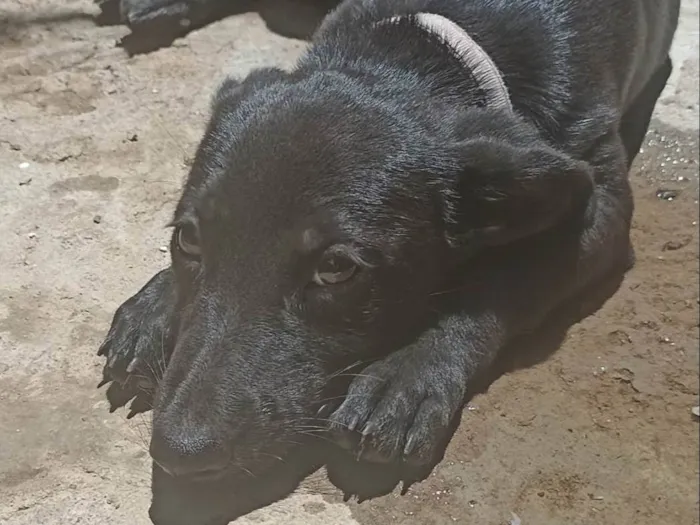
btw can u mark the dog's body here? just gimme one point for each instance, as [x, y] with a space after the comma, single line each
[382, 204]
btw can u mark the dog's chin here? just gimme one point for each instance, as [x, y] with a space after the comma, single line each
[201, 500]
[222, 497]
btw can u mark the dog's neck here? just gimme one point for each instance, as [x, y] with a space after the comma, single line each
[471, 54]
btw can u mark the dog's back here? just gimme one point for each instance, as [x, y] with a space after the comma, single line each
[560, 59]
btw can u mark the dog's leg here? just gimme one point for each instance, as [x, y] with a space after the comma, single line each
[635, 121]
[139, 340]
[403, 405]
[162, 15]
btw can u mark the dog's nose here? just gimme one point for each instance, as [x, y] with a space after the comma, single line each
[193, 453]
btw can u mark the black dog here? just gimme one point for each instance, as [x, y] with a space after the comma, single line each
[418, 191]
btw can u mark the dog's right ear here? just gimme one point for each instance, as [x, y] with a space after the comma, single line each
[232, 91]
[510, 191]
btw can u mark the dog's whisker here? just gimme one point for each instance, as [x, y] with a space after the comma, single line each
[309, 431]
[301, 426]
[274, 456]
[319, 436]
[355, 375]
[290, 442]
[345, 369]
[349, 396]
[334, 423]
[244, 469]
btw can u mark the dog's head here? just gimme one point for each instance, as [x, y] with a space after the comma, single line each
[318, 227]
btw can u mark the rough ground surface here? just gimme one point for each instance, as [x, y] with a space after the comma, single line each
[93, 147]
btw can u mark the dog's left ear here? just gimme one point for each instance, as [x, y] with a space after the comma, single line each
[507, 192]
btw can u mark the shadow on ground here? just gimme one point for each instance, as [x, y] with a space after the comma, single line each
[151, 31]
[161, 22]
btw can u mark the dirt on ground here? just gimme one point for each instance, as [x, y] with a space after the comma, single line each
[94, 145]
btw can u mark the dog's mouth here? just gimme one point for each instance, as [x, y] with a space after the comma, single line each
[216, 498]
[210, 476]
[201, 477]
[251, 464]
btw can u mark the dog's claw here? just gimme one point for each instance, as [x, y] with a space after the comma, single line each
[112, 360]
[409, 449]
[353, 423]
[133, 365]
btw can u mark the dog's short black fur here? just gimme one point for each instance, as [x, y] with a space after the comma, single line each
[372, 210]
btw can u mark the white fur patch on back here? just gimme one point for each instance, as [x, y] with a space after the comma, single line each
[469, 52]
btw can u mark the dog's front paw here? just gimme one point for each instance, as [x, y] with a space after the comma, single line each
[400, 408]
[138, 343]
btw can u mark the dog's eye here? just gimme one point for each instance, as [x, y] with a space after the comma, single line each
[188, 240]
[334, 270]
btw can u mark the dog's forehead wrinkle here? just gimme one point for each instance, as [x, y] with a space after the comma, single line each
[285, 129]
